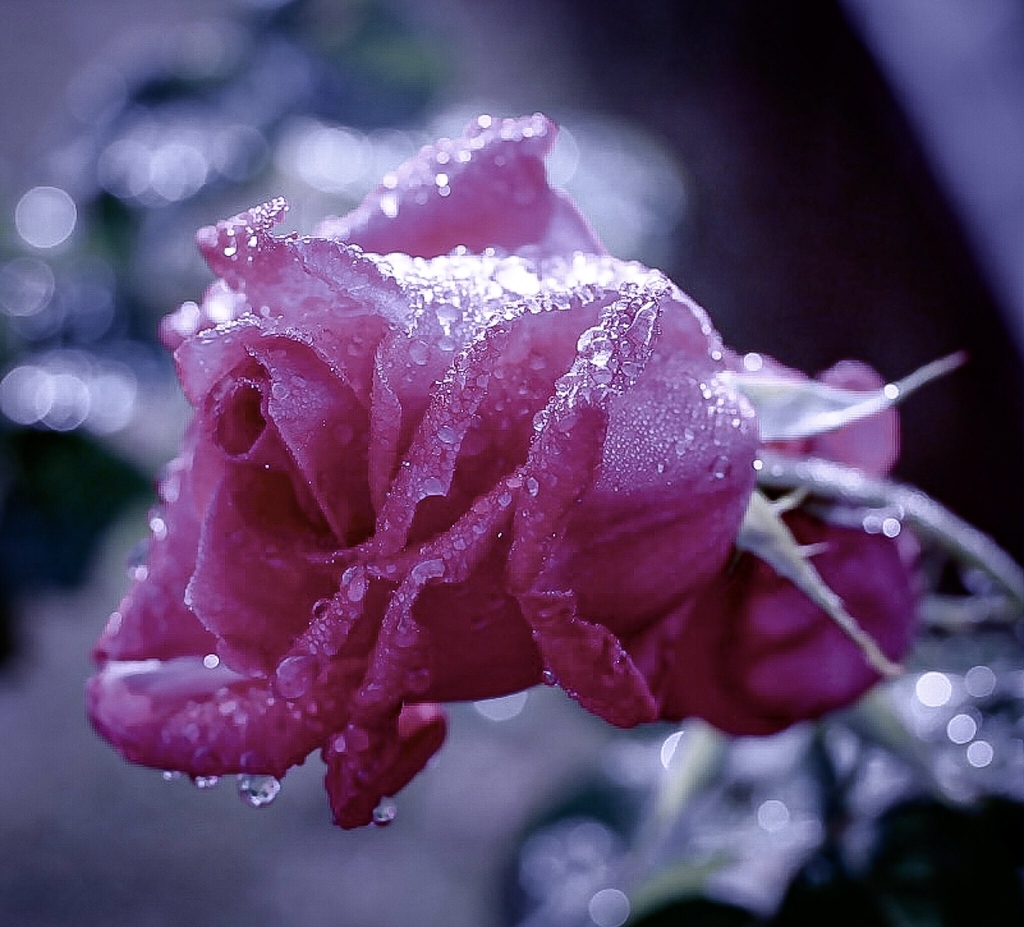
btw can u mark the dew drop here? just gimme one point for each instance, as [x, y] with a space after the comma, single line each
[668, 748]
[389, 204]
[357, 588]
[385, 812]
[257, 791]
[447, 435]
[503, 708]
[294, 676]
[431, 486]
[427, 570]
[157, 526]
[418, 353]
[721, 467]
[205, 782]
[171, 775]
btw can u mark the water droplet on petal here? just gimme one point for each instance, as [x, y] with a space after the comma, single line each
[171, 775]
[257, 791]
[418, 353]
[431, 486]
[721, 467]
[205, 782]
[385, 812]
[294, 676]
[357, 588]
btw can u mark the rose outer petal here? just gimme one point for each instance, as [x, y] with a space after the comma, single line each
[871, 444]
[179, 715]
[393, 756]
[486, 189]
[753, 655]
[152, 620]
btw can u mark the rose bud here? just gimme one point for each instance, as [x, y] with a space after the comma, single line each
[447, 449]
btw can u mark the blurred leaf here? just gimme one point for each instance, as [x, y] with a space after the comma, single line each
[937, 866]
[680, 883]
[64, 491]
[824, 892]
[697, 912]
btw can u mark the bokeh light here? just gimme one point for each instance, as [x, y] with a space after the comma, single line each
[45, 217]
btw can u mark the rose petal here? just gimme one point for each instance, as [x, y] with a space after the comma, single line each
[873, 443]
[179, 715]
[675, 473]
[256, 577]
[768, 655]
[585, 658]
[365, 766]
[323, 425]
[487, 189]
[152, 620]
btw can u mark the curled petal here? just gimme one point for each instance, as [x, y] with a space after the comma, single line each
[178, 714]
[153, 621]
[364, 766]
[486, 189]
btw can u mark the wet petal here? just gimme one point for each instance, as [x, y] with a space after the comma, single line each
[364, 766]
[178, 714]
[754, 654]
[255, 579]
[153, 620]
[486, 189]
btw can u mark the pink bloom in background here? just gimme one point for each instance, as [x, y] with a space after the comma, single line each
[447, 449]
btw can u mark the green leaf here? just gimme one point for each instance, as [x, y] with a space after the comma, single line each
[788, 409]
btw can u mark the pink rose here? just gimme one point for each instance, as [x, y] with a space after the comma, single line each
[447, 449]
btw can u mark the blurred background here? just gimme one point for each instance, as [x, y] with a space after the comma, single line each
[829, 179]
